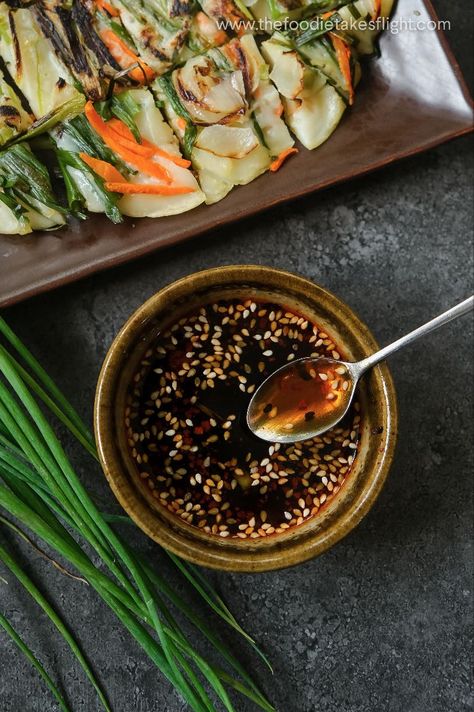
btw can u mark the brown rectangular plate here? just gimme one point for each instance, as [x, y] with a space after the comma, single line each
[402, 107]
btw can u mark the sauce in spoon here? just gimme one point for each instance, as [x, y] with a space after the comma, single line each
[295, 403]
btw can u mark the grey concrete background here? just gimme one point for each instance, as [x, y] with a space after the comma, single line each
[382, 622]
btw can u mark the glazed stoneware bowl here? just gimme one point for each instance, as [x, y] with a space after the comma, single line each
[376, 395]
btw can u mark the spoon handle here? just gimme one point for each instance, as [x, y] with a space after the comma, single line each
[463, 308]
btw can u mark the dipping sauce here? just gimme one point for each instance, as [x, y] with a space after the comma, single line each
[186, 422]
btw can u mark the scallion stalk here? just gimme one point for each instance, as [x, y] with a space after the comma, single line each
[7, 626]
[41, 490]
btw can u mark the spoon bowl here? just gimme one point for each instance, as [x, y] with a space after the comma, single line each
[302, 399]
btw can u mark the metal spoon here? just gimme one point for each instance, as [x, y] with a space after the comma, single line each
[306, 397]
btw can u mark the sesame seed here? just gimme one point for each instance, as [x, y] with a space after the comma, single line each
[189, 449]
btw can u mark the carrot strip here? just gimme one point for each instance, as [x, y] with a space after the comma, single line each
[378, 8]
[103, 169]
[278, 162]
[139, 148]
[124, 132]
[125, 57]
[209, 28]
[111, 139]
[231, 52]
[121, 129]
[181, 123]
[104, 5]
[148, 188]
[343, 54]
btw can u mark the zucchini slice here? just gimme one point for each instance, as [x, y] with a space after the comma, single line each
[313, 107]
[226, 103]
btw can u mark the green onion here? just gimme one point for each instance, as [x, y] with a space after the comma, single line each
[243, 9]
[75, 199]
[4, 623]
[258, 130]
[125, 108]
[165, 83]
[26, 582]
[190, 135]
[15, 207]
[319, 7]
[70, 159]
[27, 178]
[88, 141]
[275, 11]
[41, 490]
[312, 33]
[66, 111]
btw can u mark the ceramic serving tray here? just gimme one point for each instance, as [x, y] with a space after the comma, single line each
[411, 99]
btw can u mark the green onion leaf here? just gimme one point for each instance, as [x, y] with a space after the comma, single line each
[6, 625]
[69, 159]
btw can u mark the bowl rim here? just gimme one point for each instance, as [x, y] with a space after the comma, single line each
[246, 559]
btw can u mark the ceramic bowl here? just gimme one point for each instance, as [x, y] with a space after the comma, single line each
[376, 395]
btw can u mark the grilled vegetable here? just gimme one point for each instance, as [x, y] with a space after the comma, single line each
[360, 14]
[335, 60]
[268, 10]
[65, 111]
[85, 189]
[313, 107]
[232, 15]
[36, 70]
[78, 69]
[27, 201]
[225, 102]
[12, 216]
[357, 23]
[159, 29]
[70, 29]
[204, 33]
[121, 171]
[14, 117]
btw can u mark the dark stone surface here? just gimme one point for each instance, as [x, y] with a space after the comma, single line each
[382, 622]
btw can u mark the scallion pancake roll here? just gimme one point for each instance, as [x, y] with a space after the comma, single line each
[227, 115]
